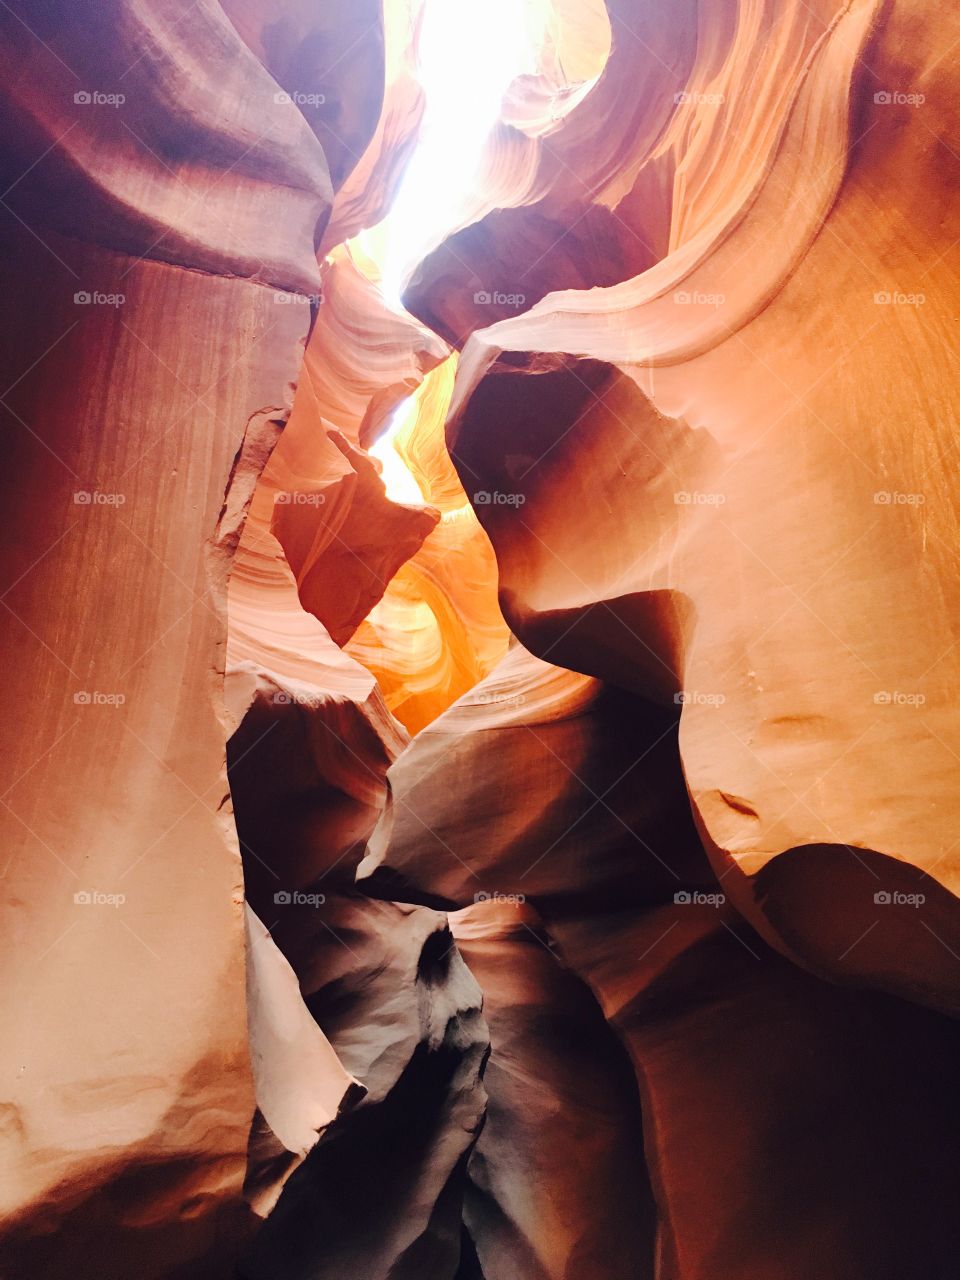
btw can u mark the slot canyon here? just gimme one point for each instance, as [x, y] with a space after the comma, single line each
[481, 618]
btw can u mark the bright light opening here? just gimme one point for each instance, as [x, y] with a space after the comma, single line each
[469, 54]
[398, 479]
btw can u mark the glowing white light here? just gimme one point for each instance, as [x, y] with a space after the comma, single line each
[398, 479]
[468, 55]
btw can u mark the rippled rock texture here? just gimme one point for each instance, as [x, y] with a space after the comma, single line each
[160, 205]
[481, 773]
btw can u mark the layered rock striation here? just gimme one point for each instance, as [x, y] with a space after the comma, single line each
[481, 768]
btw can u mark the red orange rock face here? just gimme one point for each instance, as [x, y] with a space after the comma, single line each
[481, 768]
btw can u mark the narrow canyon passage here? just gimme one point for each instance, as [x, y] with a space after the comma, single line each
[482, 594]
[544, 809]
